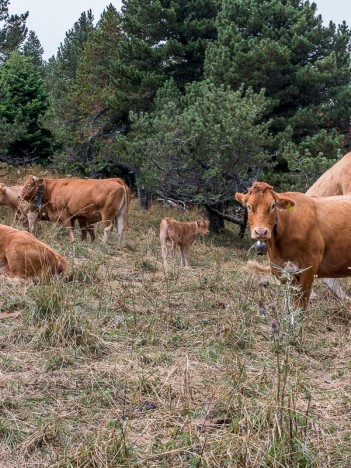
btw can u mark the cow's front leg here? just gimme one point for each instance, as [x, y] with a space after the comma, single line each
[306, 282]
[69, 225]
[32, 217]
[174, 248]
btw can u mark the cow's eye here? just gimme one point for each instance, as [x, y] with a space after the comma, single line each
[273, 206]
[249, 208]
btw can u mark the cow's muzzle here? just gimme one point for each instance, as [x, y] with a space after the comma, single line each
[261, 233]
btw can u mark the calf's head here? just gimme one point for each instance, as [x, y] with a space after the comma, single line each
[262, 204]
[30, 188]
[202, 227]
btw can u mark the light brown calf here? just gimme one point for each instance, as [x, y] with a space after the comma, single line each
[182, 234]
[24, 257]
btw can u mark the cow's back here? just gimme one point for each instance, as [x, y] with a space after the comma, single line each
[183, 233]
[335, 181]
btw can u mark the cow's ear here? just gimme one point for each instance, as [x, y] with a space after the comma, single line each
[40, 181]
[285, 203]
[241, 198]
[2, 187]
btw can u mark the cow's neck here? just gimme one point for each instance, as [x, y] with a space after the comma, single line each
[39, 199]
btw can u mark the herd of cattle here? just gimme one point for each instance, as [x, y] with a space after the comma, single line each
[87, 201]
[312, 230]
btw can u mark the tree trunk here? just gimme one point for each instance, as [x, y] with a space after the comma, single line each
[216, 222]
[243, 226]
[144, 196]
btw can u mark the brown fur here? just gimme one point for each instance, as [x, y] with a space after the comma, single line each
[312, 232]
[335, 181]
[22, 256]
[182, 234]
[87, 199]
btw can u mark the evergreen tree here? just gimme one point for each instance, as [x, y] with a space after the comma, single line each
[32, 48]
[93, 90]
[176, 34]
[13, 30]
[23, 104]
[63, 118]
[282, 47]
[200, 147]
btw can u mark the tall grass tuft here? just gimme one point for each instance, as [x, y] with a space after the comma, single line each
[59, 323]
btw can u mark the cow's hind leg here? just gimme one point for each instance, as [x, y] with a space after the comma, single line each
[163, 242]
[107, 230]
[120, 224]
[334, 285]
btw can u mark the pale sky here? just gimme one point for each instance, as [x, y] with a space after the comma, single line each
[51, 19]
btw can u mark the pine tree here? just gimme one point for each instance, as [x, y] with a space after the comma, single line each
[63, 118]
[281, 46]
[94, 89]
[176, 33]
[202, 146]
[32, 48]
[13, 30]
[23, 104]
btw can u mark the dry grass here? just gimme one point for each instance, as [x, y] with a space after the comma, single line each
[124, 364]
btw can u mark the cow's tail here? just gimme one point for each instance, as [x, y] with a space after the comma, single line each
[258, 267]
[127, 203]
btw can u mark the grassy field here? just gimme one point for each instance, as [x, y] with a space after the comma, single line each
[124, 364]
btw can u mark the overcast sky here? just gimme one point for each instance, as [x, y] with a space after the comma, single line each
[51, 19]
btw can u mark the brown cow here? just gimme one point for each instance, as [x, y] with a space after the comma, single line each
[311, 232]
[89, 223]
[88, 199]
[182, 234]
[335, 181]
[28, 215]
[24, 257]
[9, 198]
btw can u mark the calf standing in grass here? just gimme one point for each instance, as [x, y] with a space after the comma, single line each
[182, 234]
[24, 257]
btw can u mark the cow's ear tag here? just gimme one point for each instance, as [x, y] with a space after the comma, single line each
[290, 208]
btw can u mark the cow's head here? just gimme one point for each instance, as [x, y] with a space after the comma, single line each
[202, 227]
[262, 204]
[30, 188]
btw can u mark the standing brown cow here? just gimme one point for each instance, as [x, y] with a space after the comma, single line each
[87, 200]
[335, 181]
[182, 234]
[311, 232]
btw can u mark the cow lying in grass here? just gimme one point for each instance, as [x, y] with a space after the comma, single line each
[182, 234]
[310, 232]
[24, 257]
